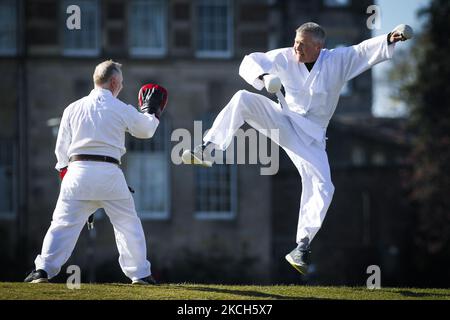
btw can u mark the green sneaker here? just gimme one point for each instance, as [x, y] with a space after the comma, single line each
[298, 258]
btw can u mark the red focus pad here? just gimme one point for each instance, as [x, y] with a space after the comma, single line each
[149, 86]
[62, 173]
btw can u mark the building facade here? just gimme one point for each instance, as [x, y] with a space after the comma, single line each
[228, 224]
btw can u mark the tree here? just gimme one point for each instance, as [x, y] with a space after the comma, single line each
[428, 94]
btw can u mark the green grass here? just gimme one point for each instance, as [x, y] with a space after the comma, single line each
[187, 291]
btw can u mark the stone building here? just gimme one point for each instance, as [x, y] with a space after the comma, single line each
[204, 226]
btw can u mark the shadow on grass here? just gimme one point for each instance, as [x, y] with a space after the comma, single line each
[404, 292]
[407, 293]
[250, 294]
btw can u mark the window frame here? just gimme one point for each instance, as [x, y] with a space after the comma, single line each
[13, 50]
[221, 215]
[148, 51]
[83, 52]
[158, 215]
[336, 4]
[207, 119]
[230, 34]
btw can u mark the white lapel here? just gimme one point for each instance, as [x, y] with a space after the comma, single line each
[314, 71]
[297, 71]
[303, 73]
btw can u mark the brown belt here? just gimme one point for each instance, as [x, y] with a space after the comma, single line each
[92, 157]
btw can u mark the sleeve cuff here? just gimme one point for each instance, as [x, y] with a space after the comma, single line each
[60, 166]
[389, 38]
[250, 69]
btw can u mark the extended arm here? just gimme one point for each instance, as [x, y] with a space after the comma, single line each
[359, 58]
[141, 125]
[152, 101]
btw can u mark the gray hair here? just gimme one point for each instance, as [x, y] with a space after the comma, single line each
[315, 30]
[104, 71]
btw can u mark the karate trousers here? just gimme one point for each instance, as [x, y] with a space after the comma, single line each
[311, 159]
[68, 220]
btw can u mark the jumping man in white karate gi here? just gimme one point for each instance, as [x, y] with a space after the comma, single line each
[313, 78]
[90, 144]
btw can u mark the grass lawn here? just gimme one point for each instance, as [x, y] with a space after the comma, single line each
[189, 291]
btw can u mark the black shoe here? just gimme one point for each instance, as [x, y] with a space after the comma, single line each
[299, 259]
[37, 276]
[145, 281]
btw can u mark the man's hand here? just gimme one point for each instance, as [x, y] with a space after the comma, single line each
[272, 83]
[396, 37]
[401, 32]
[152, 99]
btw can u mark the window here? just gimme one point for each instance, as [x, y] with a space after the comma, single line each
[6, 178]
[148, 28]
[147, 172]
[214, 28]
[216, 192]
[8, 27]
[86, 40]
[113, 28]
[216, 189]
[336, 3]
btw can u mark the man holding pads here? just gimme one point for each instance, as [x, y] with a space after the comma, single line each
[90, 144]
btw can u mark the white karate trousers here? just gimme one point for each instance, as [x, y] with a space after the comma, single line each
[71, 215]
[310, 160]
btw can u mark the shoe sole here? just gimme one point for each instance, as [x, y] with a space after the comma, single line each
[299, 268]
[143, 283]
[188, 158]
[40, 281]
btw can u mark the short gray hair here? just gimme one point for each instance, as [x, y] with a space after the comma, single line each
[105, 70]
[315, 30]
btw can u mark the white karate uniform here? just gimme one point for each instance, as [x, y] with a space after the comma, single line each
[311, 99]
[96, 125]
